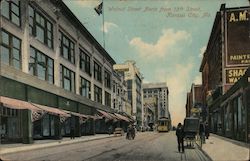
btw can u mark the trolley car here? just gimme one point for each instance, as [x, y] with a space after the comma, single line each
[163, 124]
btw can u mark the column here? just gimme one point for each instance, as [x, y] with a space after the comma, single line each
[26, 126]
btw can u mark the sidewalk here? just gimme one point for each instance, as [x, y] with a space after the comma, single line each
[38, 144]
[220, 148]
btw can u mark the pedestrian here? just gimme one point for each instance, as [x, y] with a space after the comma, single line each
[202, 132]
[110, 130]
[129, 129]
[72, 132]
[206, 130]
[180, 137]
[133, 132]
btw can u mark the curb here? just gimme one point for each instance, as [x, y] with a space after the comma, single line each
[46, 145]
[205, 153]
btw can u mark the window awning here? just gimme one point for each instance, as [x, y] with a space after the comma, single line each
[51, 110]
[17, 104]
[76, 114]
[122, 117]
[106, 114]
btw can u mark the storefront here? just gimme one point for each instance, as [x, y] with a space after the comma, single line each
[230, 113]
[9, 125]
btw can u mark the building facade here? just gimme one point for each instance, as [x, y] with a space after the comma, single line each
[225, 61]
[134, 88]
[160, 106]
[120, 94]
[49, 58]
[194, 104]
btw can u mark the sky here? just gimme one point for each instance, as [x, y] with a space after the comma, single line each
[166, 38]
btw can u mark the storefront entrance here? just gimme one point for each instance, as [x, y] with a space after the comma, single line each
[45, 127]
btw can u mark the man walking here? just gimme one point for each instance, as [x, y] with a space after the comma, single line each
[180, 136]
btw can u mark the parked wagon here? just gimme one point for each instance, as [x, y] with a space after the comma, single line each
[191, 130]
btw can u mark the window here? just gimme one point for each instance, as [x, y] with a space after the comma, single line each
[85, 89]
[67, 79]
[97, 72]
[114, 86]
[107, 99]
[40, 27]
[10, 50]
[84, 62]
[11, 10]
[41, 65]
[67, 48]
[98, 94]
[107, 80]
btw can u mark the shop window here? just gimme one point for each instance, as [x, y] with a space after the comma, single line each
[41, 65]
[52, 126]
[85, 88]
[45, 124]
[10, 50]
[11, 11]
[67, 79]
[40, 27]
[67, 48]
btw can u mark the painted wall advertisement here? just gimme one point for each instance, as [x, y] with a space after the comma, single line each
[238, 40]
[237, 44]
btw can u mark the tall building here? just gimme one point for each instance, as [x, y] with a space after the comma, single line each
[51, 68]
[155, 96]
[224, 62]
[120, 93]
[134, 87]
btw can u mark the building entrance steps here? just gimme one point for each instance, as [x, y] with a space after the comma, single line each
[38, 144]
[221, 148]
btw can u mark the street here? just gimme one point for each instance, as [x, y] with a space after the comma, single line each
[146, 146]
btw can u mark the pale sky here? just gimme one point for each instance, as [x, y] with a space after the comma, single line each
[166, 38]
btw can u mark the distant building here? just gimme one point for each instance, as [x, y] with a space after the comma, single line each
[194, 106]
[120, 94]
[156, 101]
[134, 87]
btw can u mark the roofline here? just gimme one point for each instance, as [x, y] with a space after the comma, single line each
[81, 28]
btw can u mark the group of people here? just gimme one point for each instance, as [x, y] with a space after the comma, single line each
[203, 131]
[130, 132]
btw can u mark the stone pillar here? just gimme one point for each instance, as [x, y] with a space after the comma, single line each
[58, 127]
[92, 123]
[77, 127]
[26, 127]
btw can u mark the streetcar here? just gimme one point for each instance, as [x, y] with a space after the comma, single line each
[163, 124]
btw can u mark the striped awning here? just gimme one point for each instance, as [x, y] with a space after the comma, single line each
[77, 114]
[17, 104]
[51, 110]
[106, 114]
[122, 117]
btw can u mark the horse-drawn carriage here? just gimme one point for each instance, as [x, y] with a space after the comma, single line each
[191, 130]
